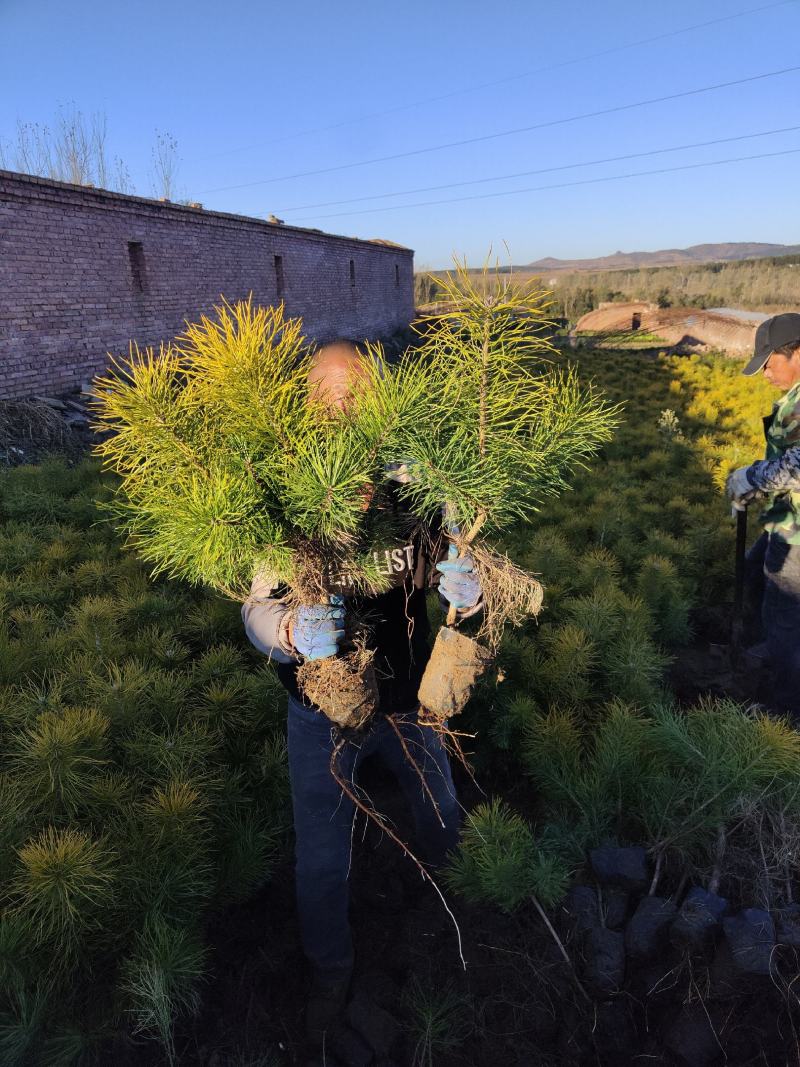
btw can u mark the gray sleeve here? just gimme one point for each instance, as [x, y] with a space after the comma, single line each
[266, 622]
[781, 475]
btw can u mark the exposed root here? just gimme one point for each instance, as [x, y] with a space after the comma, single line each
[455, 751]
[343, 687]
[510, 594]
[384, 827]
[425, 787]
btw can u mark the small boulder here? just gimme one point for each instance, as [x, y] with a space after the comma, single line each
[623, 867]
[581, 909]
[604, 960]
[647, 931]
[699, 920]
[751, 938]
[615, 907]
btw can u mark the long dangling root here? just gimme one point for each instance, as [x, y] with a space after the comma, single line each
[425, 787]
[453, 748]
[384, 827]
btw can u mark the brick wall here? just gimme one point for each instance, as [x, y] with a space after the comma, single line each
[85, 271]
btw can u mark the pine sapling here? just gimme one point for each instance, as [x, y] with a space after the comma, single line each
[233, 466]
[508, 429]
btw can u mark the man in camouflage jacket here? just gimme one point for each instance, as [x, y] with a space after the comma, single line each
[773, 562]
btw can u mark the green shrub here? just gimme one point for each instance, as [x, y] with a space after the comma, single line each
[142, 776]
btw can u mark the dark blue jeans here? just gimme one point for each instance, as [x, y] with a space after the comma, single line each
[773, 568]
[324, 817]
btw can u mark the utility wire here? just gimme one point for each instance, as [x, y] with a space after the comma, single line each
[558, 185]
[541, 170]
[509, 133]
[502, 81]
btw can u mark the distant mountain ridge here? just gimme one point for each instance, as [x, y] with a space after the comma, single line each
[666, 257]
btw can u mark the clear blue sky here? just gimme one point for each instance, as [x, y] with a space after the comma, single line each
[248, 89]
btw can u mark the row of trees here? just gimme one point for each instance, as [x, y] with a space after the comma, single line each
[74, 148]
[756, 283]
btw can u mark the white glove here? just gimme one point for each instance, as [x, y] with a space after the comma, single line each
[740, 489]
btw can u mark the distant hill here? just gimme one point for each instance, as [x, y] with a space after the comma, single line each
[667, 257]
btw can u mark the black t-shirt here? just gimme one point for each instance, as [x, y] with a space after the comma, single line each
[398, 628]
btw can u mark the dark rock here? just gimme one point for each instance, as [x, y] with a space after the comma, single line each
[647, 931]
[604, 960]
[615, 907]
[51, 402]
[787, 925]
[73, 405]
[72, 418]
[692, 1038]
[378, 1028]
[699, 920]
[751, 938]
[623, 867]
[581, 908]
[349, 1047]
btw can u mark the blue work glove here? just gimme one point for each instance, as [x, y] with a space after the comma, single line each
[740, 489]
[459, 583]
[318, 629]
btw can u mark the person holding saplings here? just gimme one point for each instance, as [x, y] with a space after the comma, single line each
[773, 563]
[272, 475]
[399, 631]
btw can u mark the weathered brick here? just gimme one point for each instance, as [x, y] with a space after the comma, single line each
[69, 295]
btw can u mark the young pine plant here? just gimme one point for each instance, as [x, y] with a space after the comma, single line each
[508, 430]
[232, 465]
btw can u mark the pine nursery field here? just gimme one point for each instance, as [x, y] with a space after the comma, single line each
[145, 874]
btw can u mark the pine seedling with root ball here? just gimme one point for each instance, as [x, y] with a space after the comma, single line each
[232, 466]
[508, 430]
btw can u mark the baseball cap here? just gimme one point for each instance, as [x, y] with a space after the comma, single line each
[773, 333]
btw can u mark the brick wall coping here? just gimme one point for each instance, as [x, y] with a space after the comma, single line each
[136, 204]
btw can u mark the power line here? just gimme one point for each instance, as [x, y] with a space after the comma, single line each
[509, 133]
[501, 81]
[558, 185]
[541, 170]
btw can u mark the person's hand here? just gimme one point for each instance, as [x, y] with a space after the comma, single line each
[317, 629]
[739, 487]
[459, 584]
